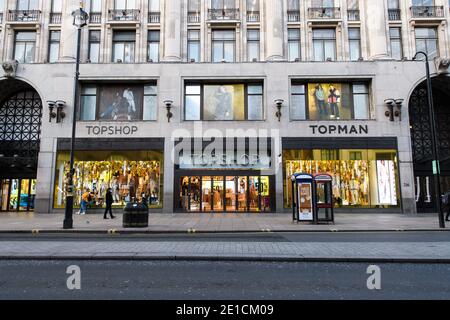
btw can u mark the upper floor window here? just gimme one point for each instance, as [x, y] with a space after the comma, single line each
[24, 46]
[223, 45]
[194, 45]
[53, 50]
[252, 5]
[125, 4]
[253, 44]
[293, 44]
[153, 46]
[422, 3]
[395, 35]
[354, 43]
[221, 102]
[322, 3]
[57, 6]
[353, 4]
[223, 4]
[330, 101]
[27, 4]
[124, 46]
[324, 44]
[118, 102]
[293, 5]
[96, 6]
[393, 4]
[427, 41]
[94, 46]
[153, 6]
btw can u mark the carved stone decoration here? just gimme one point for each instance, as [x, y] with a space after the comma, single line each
[10, 68]
[442, 65]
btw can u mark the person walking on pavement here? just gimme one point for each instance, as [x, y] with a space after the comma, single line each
[446, 204]
[109, 202]
[84, 202]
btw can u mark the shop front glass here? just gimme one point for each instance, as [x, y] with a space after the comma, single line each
[131, 175]
[17, 194]
[361, 178]
[225, 193]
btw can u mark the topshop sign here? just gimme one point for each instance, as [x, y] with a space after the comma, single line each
[113, 130]
[225, 161]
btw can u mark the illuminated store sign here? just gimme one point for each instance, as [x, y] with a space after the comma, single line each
[225, 161]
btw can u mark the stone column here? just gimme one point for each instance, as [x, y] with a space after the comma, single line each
[274, 30]
[68, 32]
[377, 31]
[172, 31]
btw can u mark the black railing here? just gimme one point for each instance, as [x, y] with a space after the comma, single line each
[293, 15]
[427, 11]
[124, 15]
[253, 16]
[1, 17]
[95, 17]
[223, 14]
[353, 15]
[394, 14]
[324, 13]
[24, 15]
[154, 17]
[193, 17]
[55, 17]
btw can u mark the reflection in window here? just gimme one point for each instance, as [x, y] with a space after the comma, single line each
[94, 46]
[324, 44]
[150, 103]
[395, 35]
[153, 46]
[194, 45]
[293, 44]
[27, 4]
[427, 41]
[297, 106]
[53, 54]
[24, 47]
[354, 42]
[88, 103]
[123, 46]
[223, 45]
[253, 44]
[361, 178]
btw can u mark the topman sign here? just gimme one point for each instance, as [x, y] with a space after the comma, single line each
[340, 129]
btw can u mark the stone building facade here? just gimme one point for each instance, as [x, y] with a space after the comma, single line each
[256, 90]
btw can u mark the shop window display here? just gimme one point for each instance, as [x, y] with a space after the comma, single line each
[361, 178]
[132, 176]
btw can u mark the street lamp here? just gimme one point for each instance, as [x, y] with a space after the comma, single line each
[434, 147]
[80, 18]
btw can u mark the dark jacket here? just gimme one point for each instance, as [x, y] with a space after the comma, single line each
[109, 199]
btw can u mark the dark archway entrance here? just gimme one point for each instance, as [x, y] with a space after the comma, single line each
[20, 129]
[421, 140]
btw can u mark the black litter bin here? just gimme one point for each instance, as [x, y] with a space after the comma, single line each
[135, 215]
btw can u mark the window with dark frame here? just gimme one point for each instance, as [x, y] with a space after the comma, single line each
[253, 46]
[118, 102]
[125, 4]
[294, 44]
[223, 45]
[27, 4]
[332, 100]
[354, 42]
[94, 46]
[395, 37]
[427, 41]
[193, 45]
[223, 101]
[324, 44]
[53, 46]
[153, 46]
[24, 46]
[124, 43]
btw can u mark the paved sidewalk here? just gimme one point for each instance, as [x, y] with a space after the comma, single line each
[218, 222]
[428, 252]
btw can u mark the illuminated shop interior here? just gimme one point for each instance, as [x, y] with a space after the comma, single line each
[131, 175]
[361, 178]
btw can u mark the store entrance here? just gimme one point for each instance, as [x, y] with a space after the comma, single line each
[17, 194]
[225, 193]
